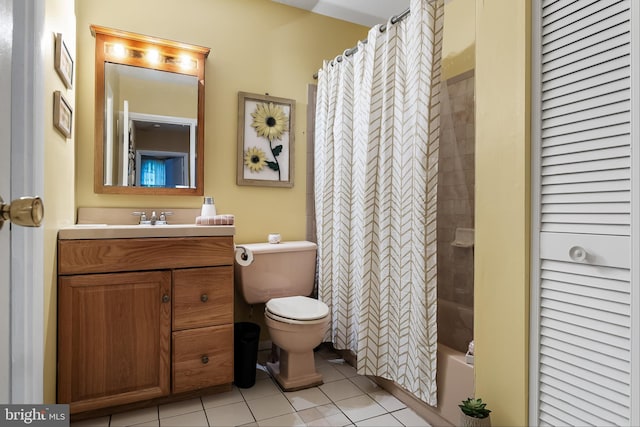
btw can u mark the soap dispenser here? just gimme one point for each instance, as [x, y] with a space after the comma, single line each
[208, 208]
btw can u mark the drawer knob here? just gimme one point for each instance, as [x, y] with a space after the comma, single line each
[205, 360]
[165, 298]
[204, 298]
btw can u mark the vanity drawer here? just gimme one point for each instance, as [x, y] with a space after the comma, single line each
[155, 253]
[202, 297]
[202, 358]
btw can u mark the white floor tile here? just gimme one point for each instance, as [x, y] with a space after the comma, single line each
[365, 384]
[93, 422]
[154, 423]
[192, 419]
[270, 406]
[339, 390]
[360, 408]
[288, 420]
[387, 400]
[346, 369]
[134, 417]
[318, 412]
[385, 420]
[261, 388]
[409, 418]
[221, 399]
[329, 373]
[180, 408]
[235, 414]
[336, 420]
[307, 398]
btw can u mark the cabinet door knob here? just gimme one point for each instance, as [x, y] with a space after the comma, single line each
[205, 359]
[165, 298]
[204, 298]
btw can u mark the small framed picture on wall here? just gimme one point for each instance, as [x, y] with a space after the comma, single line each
[63, 62]
[62, 114]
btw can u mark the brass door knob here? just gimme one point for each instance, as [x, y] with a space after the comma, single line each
[25, 211]
[204, 298]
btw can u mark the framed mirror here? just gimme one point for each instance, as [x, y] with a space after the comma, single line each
[149, 115]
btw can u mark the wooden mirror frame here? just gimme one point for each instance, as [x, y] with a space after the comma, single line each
[171, 51]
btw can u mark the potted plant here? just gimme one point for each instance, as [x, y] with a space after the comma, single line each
[474, 413]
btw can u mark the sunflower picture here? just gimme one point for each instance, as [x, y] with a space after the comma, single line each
[265, 140]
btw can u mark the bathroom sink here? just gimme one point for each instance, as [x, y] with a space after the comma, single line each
[119, 231]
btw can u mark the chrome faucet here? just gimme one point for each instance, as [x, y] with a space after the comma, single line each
[154, 219]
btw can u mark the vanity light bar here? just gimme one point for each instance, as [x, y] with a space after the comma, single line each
[118, 51]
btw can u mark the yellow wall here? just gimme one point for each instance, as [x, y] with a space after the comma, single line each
[458, 38]
[502, 208]
[59, 173]
[257, 46]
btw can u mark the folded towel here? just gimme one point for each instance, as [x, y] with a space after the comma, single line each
[215, 220]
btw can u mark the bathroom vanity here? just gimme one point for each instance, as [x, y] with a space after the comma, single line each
[145, 314]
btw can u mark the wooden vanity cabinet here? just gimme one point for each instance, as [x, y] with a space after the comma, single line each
[143, 319]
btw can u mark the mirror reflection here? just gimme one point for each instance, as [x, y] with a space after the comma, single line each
[149, 114]
[150, 128]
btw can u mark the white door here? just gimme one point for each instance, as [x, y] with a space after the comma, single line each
[21, 142]
[584, 301]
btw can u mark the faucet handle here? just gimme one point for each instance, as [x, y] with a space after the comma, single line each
[164, 215]
[142, 215]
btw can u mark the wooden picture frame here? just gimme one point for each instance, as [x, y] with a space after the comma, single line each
[265, 140]
[63, 61]
[62, 114]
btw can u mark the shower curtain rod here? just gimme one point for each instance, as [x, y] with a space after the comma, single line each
[394, 20]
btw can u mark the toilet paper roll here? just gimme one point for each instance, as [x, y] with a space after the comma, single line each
[244, 256]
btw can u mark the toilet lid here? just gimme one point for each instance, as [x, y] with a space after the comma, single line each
[298, 308]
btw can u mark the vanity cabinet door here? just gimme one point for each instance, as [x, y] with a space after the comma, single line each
[114, 333]
[202, 297]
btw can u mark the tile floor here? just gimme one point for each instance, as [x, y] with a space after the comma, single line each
[345, 399]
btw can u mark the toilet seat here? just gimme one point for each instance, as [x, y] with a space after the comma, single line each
[296, 309]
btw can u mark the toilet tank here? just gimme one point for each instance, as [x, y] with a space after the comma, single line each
[277, 270]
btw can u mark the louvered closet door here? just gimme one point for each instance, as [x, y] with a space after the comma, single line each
[581, 272]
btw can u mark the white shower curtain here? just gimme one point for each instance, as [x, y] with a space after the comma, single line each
[376, 149]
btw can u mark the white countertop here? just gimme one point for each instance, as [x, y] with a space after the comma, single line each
[103, 231]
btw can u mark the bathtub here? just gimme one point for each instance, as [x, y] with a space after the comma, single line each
[454, 381]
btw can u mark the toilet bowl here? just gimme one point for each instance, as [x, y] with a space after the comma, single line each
[282, 276]
[297, 325]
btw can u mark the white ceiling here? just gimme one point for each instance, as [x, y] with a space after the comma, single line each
[363, 12]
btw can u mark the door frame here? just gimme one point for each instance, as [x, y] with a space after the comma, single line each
[27, 178]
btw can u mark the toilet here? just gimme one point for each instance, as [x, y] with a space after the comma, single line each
[282, 276]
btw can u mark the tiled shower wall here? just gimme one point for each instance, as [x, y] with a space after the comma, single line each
[456, 181]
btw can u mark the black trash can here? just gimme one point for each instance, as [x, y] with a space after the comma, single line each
[246, 337]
